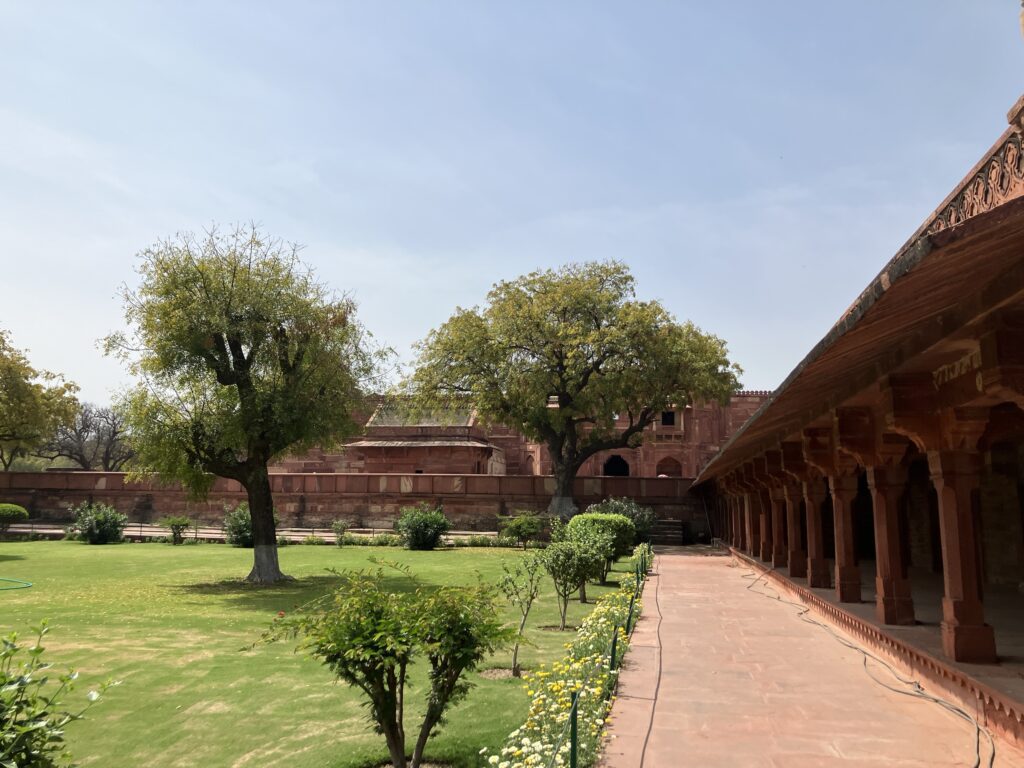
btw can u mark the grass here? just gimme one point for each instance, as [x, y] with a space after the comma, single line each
[175, 625]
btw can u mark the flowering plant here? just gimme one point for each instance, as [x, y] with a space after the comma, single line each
[587, 671]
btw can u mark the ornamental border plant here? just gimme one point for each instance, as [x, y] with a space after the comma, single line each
[586, 676]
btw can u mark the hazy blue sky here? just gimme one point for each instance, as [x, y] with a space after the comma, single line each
[755, 163]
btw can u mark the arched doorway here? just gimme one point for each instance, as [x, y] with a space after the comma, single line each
[616, 466]
[528, 467]
[669, 467]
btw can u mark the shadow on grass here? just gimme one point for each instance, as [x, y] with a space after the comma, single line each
[11, 557]
[272, 597]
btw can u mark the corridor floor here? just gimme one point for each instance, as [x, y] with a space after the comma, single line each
[739, 679]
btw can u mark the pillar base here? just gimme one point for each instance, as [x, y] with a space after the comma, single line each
[893, 603]
[818, 574]
[973, 643]
[797, 564]
[766, 552]
[848, 584]
[780, 558]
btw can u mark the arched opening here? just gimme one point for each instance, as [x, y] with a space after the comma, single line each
[528, 466]
[668, 467]
[616, 466]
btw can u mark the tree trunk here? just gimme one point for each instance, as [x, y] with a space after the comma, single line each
[396, 744]
[265, 568]
[583, 591]
[562, 504]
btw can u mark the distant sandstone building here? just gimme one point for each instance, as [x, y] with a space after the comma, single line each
[678, 444]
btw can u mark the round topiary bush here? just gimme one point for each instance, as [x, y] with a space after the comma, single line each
[422, 526]
[642, 517]
[619, 527]
[99, 523]
[11, 513]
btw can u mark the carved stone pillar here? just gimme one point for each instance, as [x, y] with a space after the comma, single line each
[795, 555]
[817, 566]
[844, 489]
[766, 526]
[965, 635]
[737, 515]
[893, 601]
[780, 554]
[752, 512]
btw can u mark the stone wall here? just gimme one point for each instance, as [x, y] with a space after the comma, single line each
[472, 502]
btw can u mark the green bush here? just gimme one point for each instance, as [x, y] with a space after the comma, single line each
[369, 636]
[620, 527]
[524, 527]
[598, 548]
[569, 565]
[11, 513]
[238, 525]
[99, 523]
[32, 714]
[314, 541]
[642, 517]
[422, 526]
[383, 540]
[177, 524]
[340, 528]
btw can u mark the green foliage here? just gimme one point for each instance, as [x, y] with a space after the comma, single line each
[238, 526]
[11, 513]
[243, 356]
[597, 548]
[99, 523]
[642, 517]
[314, 541]
[422, 526]
[569, 565]
[33, 404]
[557, 354]
[619, 527]
[369, 636]
[33, 715]
[524, 527]
[521, 586]
[340, 528]
[177, 524]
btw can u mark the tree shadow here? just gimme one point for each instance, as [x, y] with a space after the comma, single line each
[11, 557]
[290, 594]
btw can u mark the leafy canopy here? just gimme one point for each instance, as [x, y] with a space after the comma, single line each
[33, 404]
[558, 354]
[243, 355]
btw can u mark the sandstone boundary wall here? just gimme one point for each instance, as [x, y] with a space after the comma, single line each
[471, 502]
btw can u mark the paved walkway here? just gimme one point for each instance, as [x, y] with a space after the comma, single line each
[745, 682]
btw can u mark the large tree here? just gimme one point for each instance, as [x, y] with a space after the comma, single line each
[33, 404]
[559, 354]
[243, 355]
[95, 439]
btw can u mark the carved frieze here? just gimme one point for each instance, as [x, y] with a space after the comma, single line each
[1000, 179]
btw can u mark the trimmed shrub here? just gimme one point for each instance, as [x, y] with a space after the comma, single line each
[384, 540]
[422, 526]
[177, 524]
[314, 541]
[642, 517]
[620, 527]
[99, 523]
[11, 513]
[524, 527]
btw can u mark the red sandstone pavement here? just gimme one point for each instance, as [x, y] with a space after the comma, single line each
[745, 682]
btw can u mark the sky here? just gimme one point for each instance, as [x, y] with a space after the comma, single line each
[755, 164]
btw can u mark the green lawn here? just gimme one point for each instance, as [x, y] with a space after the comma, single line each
[172, 622]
